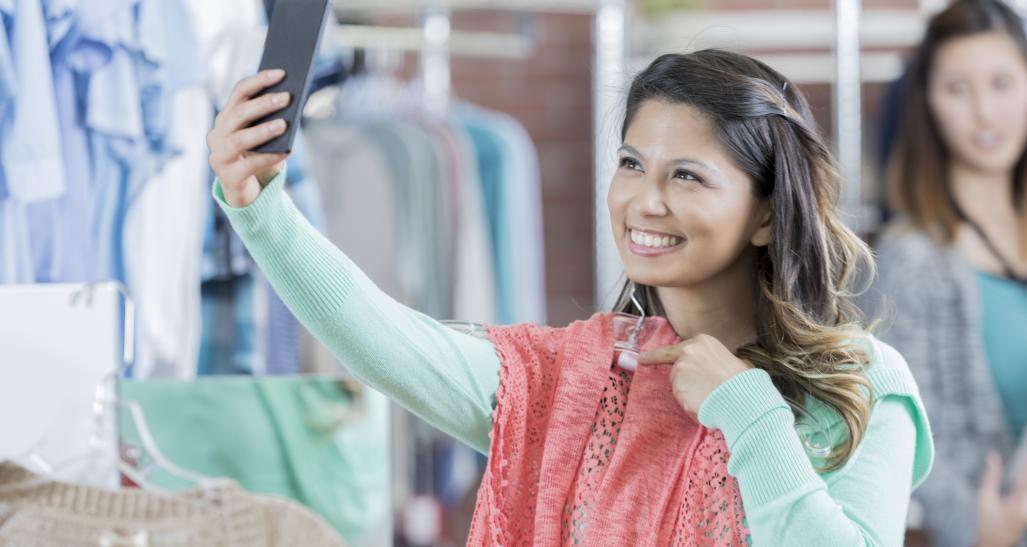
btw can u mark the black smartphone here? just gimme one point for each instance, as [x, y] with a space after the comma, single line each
[293, 36]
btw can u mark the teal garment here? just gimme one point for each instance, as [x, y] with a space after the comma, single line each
[1004, 322]
[307, 439]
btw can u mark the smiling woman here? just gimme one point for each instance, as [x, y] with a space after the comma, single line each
[719, 155]
[724, 209]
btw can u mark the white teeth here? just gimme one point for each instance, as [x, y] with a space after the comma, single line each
[650, 240]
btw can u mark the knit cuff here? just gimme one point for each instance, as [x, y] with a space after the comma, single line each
[759, 428]
[740, 402]
[251, 218]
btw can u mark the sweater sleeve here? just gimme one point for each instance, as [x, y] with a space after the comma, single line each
[786, 501]
[445, 377]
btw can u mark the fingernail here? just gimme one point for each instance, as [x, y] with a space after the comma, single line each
[275, 73]
[628, 360]
[278, 125]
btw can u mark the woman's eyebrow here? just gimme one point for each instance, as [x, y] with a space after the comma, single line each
[680, 162]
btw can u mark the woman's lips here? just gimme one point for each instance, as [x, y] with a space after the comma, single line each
[648, 251]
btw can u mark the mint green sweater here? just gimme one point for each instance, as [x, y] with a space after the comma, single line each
[448, 379]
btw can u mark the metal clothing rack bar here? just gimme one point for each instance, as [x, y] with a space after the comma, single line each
[463, 43]
[609, 79]
[529, 6]
[848, 124]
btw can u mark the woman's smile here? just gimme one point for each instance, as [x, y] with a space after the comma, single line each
[650, 243]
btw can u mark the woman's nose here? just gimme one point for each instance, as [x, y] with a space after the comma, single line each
[651, 199]
[983, 101]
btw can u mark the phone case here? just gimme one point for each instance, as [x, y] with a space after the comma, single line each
[293, 37]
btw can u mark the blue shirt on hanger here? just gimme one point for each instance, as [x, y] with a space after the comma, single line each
[29, 138]
[30, 166]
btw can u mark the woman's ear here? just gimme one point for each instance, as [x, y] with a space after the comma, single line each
[764, 231]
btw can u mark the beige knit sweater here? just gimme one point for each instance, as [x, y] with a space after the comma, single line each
[54, 514]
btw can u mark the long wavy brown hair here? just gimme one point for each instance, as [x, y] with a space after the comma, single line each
[810, 337]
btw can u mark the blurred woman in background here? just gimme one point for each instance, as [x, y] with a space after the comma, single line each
[953, 266]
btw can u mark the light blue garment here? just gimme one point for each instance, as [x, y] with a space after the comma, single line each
[15, 254]
[30, 150]
[31, 169]
[509, 172]
[1003, 318]
[7, 77]
[145, 55]
[61, 244]
[490, 151]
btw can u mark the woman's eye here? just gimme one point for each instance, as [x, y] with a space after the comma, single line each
[687, 175]
[629, 163]
[956, 88]
[1003, 82]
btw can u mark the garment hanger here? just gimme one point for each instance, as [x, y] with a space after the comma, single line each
[627, 329]
[104, 440]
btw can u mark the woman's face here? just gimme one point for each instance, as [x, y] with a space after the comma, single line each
[682, 212]
[977, 92]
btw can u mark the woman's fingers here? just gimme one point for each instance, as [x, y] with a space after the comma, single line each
[242, 115]
[253, 164]
[248, 87]
[245, 140]
[991, 480]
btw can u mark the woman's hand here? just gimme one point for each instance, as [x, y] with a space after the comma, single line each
[701, 364]
[1001, 519]
[243, 173]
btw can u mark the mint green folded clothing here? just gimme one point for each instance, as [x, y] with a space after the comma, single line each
[312, 440]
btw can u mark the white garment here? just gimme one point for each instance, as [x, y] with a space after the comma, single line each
[163, 235]
[163, 241]
[231, 36]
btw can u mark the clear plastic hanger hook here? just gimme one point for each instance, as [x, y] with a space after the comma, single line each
[627, 330]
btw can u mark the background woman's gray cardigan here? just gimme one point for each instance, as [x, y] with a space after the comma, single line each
[928, 300]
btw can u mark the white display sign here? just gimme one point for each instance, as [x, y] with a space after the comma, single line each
[57, 344]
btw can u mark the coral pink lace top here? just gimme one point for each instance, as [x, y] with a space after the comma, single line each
[584, 453]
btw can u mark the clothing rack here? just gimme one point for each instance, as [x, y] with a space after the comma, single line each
[437, 42]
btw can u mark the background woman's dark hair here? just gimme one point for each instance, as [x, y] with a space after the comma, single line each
[917, 169]
[807, 325]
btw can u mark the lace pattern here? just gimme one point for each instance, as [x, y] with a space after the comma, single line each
[547, 468]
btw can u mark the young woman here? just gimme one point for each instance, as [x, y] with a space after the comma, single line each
[724, 212]
[953, 268]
